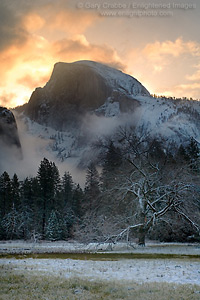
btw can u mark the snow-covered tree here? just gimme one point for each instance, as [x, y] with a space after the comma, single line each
[11, 224]
[153, 198]
[53, 227]
[153, 187]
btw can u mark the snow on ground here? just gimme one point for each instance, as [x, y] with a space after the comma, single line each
[181, 271]
[138, 270]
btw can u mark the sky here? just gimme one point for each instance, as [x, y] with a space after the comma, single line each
[155, 41]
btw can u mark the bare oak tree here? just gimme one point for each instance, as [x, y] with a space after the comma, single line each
[152, 199]
[156, 188]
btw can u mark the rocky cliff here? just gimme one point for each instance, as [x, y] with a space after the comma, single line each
[8, 129]
[78, 88]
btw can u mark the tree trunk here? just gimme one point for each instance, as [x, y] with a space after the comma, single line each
[141, 236]
[142, 229]
[44, 219]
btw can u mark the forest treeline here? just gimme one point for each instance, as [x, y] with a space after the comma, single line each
[138, 191]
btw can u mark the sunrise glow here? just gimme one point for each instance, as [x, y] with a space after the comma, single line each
[163, 53]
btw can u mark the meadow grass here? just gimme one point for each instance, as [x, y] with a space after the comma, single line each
[98, 256]
[24, 285]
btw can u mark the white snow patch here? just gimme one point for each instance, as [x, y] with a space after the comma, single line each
[117, 79]
[138, 270]
[181, 271]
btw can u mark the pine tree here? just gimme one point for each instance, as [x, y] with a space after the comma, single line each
[182, 154]
[26, 223]
[193, 149]
[113, 158]
[6, 199]
[111, 166]
[67, 221]
[53, 228]
[27, 193]
[11, 224]
[48, 179]
[92, 184]
[193, 153]
[78, 198]
[15, 191]
[67, 186]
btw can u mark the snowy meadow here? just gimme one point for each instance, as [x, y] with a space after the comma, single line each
[64, 270]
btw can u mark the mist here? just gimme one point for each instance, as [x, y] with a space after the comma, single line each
[95, 126]
[33, 150]
[36, 145]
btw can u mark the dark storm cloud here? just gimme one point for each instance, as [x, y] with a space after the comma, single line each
[13, 12]
[11, 27]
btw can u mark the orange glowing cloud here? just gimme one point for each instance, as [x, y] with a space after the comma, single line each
[31, 81]
[161, 54]
[7, 98]
[74, 22]
[59, 17]
[165, 48]
[79, 48]
[168, 67]
[33, 22]
[195, 76]
[35, 35]
[193, 86]
[29, 59]
[184, 90]
[42, 36]
[32, 64]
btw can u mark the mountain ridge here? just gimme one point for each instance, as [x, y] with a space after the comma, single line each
[74, 110]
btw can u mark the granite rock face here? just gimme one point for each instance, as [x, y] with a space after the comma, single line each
[75, 89]
[8, 129]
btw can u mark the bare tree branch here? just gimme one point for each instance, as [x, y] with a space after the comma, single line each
[188, 219]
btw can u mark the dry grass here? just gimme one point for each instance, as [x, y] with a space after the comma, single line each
[24, 285]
